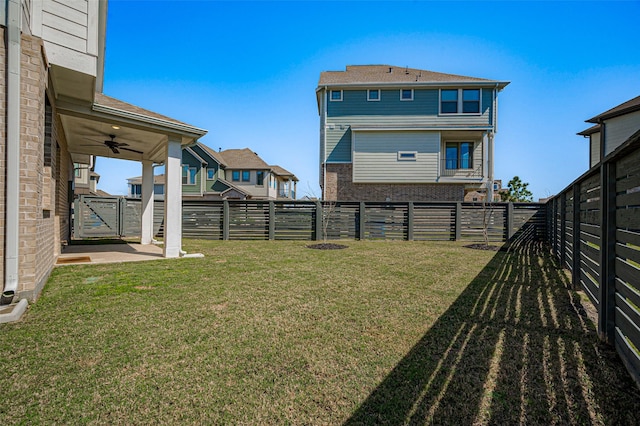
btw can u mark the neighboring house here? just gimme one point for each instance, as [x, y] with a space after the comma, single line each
[611, 129]
[54, 114]
[402, 134]
[85, 179]
[230, 174]
[481, 194]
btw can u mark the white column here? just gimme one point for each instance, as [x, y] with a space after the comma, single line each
[173, 199]
[490, 169]
[147, 202]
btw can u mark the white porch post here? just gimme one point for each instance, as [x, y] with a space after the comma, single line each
[147, 202]
[173, 199]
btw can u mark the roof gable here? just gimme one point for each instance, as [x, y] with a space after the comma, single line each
[243, 159]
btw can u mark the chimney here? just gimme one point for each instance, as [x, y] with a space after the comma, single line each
[390, 69]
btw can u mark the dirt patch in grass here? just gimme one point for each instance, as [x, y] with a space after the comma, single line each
[327, 246]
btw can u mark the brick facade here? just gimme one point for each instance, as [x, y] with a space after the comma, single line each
[44, 212]
[339, 186]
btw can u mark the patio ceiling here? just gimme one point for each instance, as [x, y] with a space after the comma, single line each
[87, 125]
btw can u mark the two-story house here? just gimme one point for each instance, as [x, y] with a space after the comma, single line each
[54, 116]
[392, 133]
[611, 129]
[229, 174]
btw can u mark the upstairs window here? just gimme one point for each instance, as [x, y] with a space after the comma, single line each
[460, 101]
[336, 96]
[373, 95]
[211, 174]
[188, 175]
[471, 101]
[246, 175]
[406, 94]
[459, 155]
[260, 178]
[235, 175]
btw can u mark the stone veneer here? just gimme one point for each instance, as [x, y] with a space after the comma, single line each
[339, 187]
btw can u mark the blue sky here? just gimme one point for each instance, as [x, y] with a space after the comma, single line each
[247, 71]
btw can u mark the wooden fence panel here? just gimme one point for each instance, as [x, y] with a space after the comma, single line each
[475, 215]
[568, 230]
[590, 236]
[340, 220]
[432, 222]
[386, 221]
[295, 221]
[627, 260]
[248, 221]
[201, 219]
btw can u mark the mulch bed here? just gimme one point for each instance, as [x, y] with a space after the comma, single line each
[483, 247]
[326, 246]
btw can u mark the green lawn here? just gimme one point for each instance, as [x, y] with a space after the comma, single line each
[270, 332]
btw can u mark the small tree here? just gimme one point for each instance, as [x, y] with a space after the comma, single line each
[517, 191]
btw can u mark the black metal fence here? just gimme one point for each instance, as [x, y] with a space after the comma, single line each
[594, 230]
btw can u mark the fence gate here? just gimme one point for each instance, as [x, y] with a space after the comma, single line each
[106, 217]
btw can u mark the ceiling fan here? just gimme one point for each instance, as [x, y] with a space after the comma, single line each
[116, 146]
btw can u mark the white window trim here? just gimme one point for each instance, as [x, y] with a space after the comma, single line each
[331, 96]
[460, 103]
[407, 155]
[369, 99]
[214, 174]
[189, 168]
[408, 99]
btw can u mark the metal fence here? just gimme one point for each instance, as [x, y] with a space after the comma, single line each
[594, 230]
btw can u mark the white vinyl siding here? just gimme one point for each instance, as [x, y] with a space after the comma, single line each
[375, 157]
[619, 129]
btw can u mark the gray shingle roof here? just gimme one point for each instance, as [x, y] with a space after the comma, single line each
[242, 159]
[283, 172]
[624, 108]
[389, 74]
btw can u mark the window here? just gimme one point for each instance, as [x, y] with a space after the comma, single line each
[455, 101]
[459, 155]
[260, 178]
[449, 101]
[235, 175]
[471, 101]
[373, 95]
[336, 95]
[76, 170]
[246, 175]
[136, 190]
[158, 189]
[407, 155]
[188, 175]
[211, 174]
[406, 94]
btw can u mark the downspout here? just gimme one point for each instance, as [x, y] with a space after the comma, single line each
[12, 212]
[324, 143]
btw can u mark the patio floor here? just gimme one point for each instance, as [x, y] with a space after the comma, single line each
[77, 254]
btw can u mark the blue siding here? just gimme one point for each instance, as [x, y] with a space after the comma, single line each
[354, 102]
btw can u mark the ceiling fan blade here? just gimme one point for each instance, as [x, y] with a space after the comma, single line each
[132, 150]
[114, 150]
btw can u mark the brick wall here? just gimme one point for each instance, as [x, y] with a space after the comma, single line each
[339, 186]
[37, 249]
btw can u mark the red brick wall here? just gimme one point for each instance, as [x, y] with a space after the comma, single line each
[339, 186]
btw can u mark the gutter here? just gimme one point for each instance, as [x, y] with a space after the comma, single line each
[12, 205]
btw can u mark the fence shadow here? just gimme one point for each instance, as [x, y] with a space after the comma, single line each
[516, 347]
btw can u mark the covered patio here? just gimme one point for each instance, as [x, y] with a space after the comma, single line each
[108, 127]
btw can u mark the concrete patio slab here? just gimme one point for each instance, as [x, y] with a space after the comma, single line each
[108, 253]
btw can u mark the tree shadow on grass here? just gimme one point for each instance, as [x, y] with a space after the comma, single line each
[516, 347]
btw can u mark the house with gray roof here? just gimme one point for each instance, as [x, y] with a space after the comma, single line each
[611, 129]
[391, 133]
[225, 175]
